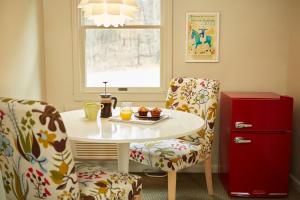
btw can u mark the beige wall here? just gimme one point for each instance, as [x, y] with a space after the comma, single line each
[253, 53]
[293, 85]
[58, 52]
[253, 47]
[21, 49]
[253, 44]
[253, 50]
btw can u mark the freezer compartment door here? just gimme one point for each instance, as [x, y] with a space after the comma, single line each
[259, 164]
[262, 115]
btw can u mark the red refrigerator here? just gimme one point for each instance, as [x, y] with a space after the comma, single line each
[255, 143]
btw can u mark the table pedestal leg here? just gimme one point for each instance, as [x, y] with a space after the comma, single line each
[123, 157]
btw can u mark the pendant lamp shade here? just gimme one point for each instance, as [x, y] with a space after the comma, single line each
[108, 12]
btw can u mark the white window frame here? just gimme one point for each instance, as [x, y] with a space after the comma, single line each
[82, 93]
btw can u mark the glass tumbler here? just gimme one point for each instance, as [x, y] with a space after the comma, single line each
[126, 111]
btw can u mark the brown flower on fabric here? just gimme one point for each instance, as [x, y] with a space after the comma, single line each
[174, 88]
[1, 114]
[60, 146]
[54, 116]
[86, 197]
[211, 125]
[170, 165]
[136, 189]
[180, 80]
[193, 157]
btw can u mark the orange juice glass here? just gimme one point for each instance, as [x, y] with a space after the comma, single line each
[126, 111]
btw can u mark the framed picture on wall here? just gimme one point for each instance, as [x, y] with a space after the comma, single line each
[202, 37]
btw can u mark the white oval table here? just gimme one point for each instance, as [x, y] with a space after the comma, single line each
[104, 131]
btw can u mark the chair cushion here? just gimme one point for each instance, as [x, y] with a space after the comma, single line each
[168, 155]
[98, 183]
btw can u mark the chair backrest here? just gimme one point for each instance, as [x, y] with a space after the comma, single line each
[35, 156]
[198, 96]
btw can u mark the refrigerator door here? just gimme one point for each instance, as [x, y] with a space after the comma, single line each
[259, 115]
[259, 164]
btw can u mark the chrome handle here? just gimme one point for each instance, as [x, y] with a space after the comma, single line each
[241, 140]
[242, 125]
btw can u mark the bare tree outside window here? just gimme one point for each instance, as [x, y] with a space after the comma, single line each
[126, 56]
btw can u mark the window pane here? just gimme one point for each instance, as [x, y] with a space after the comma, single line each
[123, 57]
[148, 14]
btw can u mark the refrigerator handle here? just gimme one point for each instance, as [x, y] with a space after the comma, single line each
[241, 140]
[242, 125]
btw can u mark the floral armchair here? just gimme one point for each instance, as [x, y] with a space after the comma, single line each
[194, 95]
[37, 163]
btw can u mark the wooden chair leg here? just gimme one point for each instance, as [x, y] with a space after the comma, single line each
[208, 175]
[137, 197]
[172, 185]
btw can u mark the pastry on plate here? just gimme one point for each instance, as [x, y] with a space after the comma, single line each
[155, 112]
[143, 111]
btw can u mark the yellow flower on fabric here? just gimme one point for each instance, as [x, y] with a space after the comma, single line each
[202, 133]
[46, 138]
[64, 195]
[184, 108]
[102, 186]
[169, 102]
[102, 190]
[123, 193]
[63, 168]
[67, 194]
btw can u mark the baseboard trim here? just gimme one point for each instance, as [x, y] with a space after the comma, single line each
[295, 182]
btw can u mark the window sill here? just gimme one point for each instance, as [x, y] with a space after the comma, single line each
[123, 96]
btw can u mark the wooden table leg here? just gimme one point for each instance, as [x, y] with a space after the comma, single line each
[123, 157]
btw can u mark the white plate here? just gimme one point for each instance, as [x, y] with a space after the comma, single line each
[136, 120]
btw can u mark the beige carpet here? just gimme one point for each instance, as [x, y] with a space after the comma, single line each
[191, 186]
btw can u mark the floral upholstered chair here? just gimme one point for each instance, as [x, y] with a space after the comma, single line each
[194, 95]
[37, 163]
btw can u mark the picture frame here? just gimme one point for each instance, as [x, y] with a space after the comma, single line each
[202, 37]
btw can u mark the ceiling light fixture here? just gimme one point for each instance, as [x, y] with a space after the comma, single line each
[109, 12]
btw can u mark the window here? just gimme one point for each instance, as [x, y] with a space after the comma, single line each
[135, 58]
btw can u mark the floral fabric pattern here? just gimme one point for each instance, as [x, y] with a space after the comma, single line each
[194, 95]
[168, 155]
[35, 155]
[5, 147]
[36, 162]
[96, 183]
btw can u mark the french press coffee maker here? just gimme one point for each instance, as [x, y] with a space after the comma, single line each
[106, 100]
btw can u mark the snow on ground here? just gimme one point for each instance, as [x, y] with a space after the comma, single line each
[141, 76]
